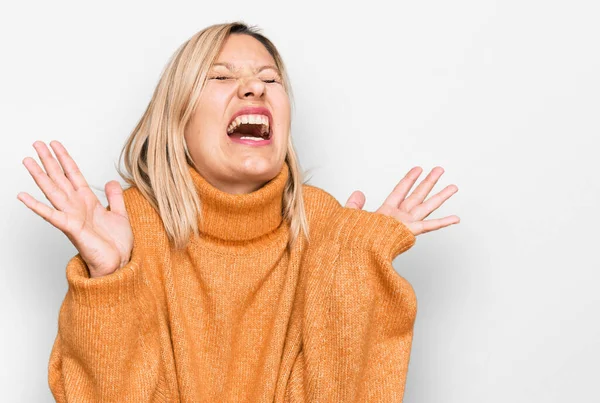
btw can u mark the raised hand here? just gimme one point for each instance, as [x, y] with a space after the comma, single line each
[104, 238]
[411, 210]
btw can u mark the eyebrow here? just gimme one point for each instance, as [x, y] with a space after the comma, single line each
[231, 67]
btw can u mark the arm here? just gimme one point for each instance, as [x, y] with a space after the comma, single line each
[108, 345]
[108, 342]
[358, 312]
[373, 306]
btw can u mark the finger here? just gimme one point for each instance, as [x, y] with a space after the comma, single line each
[401, 189]
[52, 167]
[356, 200]
[52, 192]
[423, 189]
[434, 202]
[69, 166]
[114, 194]
[435, 224]
[54, 217]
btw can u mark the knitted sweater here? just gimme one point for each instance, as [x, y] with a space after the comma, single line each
[236, 316]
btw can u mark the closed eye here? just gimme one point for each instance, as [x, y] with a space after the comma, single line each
[220, 78]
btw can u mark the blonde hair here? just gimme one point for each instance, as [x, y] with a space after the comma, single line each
[155, 155]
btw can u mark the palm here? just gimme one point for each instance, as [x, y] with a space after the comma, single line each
[412, 210]
[103, 237]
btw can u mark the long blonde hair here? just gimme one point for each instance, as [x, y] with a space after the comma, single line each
[155, 155]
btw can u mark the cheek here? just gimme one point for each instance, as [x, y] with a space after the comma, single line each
[209, 115]
[281, 104]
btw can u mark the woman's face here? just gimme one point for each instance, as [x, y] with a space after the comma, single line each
[221, 135]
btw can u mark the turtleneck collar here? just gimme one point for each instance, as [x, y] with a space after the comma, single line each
[240, 217]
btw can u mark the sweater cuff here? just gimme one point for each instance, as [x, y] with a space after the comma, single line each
[119, 287]
[374, 231]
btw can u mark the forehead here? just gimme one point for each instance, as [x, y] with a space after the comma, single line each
[241, 50]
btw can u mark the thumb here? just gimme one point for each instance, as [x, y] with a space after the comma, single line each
[356, 200]
[114, 194]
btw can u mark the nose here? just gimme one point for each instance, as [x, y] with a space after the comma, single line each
[251, 87]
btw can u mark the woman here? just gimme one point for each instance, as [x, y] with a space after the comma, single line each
[218, 275]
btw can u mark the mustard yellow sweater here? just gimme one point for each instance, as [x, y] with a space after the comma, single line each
[236, 317]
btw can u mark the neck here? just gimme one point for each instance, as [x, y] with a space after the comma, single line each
[244, 216]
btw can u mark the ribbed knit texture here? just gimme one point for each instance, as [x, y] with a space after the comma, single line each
[237, 317]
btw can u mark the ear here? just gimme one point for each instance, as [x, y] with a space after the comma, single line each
[356, 200]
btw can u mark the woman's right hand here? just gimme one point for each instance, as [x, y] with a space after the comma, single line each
[104, 238]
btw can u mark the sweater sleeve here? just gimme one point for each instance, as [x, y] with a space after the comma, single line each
[359, 312]
[108, 343]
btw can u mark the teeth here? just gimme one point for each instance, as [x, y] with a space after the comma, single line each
[252, 119]
[252, 138]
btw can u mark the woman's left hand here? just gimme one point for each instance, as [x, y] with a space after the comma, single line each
[411, 210]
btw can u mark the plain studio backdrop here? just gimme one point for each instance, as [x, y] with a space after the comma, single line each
[504, 95]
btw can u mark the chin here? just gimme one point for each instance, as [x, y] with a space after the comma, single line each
[260, 169]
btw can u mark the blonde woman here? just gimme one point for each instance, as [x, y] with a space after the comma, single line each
[218, 275]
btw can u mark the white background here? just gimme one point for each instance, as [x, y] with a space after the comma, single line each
[504, 95]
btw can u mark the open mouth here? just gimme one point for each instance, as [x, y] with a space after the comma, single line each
[250, 127]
